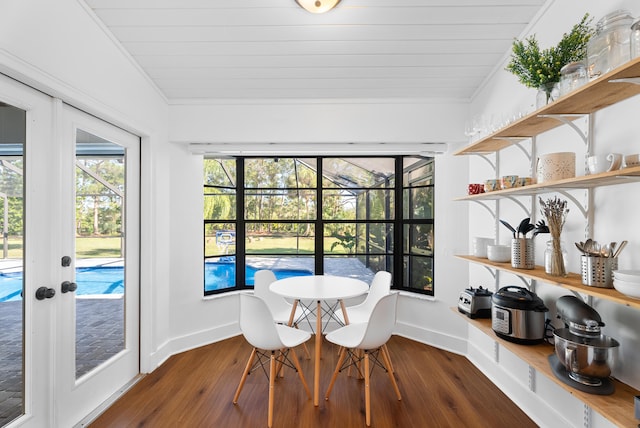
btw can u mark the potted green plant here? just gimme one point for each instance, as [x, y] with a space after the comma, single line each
[540, 68]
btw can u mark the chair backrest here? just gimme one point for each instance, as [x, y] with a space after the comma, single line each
[380, 287]
[381, 322]
[262, 279]
[256, 323]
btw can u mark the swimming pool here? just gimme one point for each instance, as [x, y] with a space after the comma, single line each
[218, 276]
[91, 280]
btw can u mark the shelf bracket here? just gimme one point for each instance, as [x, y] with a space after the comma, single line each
[486, 158]
[523, 150]
[586, 416]
[486, 207]
[633, 80]
[526, 210]
[532, 379]
[568, 119]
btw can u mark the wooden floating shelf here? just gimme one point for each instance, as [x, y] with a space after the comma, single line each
[600, 93]
[617, 407]
[572, 281]
[620, 176]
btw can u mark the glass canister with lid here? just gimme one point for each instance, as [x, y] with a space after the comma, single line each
[610, 46]
[635, 39]
[572, 76]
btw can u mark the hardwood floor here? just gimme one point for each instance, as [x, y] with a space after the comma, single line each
[195, 389]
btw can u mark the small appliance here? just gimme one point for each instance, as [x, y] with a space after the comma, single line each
[584, 357]
[475, 302]
[518, 315]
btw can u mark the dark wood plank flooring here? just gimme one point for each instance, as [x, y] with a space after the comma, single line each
[196, 388]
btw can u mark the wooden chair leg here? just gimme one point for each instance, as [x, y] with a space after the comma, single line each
[244, 376]
[388, 366]
[304, 345]
[296, 364]
[386, 351]
[272, 377]
[343, 352]
[367, 391]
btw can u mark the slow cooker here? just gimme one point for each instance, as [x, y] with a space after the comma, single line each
[518, 315]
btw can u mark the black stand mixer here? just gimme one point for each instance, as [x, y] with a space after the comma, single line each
[584, 357]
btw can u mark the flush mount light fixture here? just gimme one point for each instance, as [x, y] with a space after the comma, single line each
[318, 6]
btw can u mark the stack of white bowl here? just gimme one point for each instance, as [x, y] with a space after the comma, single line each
[627, 282]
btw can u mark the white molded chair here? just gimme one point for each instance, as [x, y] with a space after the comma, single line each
[380, 287]
[278, 305]
[271, 342]
[368, 337]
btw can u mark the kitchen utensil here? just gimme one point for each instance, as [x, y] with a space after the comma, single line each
[620, 248]
[587, 361]
[580, 247]
[475, 302]
[587, 355]
[518, 315]
[596, 270]
[522, 253]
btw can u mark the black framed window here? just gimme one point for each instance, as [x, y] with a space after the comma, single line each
[318, 215]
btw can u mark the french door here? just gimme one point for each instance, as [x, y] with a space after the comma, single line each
[70, 186]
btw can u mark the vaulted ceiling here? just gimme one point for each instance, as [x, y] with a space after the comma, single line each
[273, 49]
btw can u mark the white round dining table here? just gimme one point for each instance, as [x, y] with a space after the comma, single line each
[319, 288]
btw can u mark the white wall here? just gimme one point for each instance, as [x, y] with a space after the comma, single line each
[616, 129]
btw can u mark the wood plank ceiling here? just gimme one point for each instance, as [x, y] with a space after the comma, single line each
[203, 50]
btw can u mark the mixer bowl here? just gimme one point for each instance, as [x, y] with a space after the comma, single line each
[587, 359]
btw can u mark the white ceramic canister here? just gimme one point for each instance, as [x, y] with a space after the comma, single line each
[555, 166]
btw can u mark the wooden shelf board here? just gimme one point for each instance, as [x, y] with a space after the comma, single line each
[595, 95]
[617, 408]
[620, 176]
[572, 281]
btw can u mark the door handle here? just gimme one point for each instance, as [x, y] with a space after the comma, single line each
[68, 286]
[45, 293]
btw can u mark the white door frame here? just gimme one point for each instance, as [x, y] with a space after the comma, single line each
[76, 398]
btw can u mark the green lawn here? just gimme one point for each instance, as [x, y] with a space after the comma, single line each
[274, 245]
[85, 247]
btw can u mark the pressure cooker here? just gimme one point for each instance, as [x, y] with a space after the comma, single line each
[518, 315]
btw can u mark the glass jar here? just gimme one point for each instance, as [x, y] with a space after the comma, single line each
[635, 39]
[555, 259]
[572, 76]
[609, 47]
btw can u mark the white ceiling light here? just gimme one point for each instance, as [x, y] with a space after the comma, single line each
[318, 6]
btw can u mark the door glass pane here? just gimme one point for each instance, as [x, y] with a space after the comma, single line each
[12, 140]
[100, 243]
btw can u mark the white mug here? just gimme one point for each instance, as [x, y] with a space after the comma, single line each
[604, 163]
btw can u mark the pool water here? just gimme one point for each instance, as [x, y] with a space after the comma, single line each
[218, 276]
[91, 280]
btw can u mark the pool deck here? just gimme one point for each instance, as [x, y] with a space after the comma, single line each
[97, 340]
